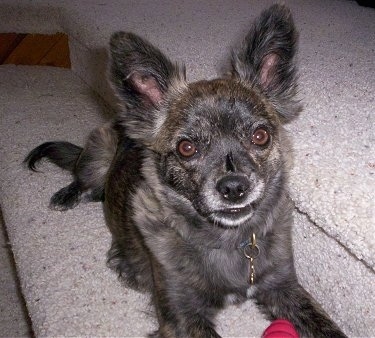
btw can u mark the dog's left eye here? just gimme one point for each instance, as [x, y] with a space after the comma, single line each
[186, 149]
[260, 137]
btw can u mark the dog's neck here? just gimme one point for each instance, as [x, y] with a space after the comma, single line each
[202, 234]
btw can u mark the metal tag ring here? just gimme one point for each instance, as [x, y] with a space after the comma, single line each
[251, 251]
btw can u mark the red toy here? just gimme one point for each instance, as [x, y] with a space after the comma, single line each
[280, 328]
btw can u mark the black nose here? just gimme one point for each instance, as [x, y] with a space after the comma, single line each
[233, 188]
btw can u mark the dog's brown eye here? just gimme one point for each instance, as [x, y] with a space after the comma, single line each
[186, 148]
[260, 137]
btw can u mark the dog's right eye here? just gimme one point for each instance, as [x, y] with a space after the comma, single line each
[186, 149]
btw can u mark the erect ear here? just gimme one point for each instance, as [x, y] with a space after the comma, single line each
[266, 59]
[141, 75]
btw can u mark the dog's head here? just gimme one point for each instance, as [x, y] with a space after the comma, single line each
[218, 144]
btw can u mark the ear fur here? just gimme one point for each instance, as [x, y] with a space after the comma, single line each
[141, 76]
[266, 59]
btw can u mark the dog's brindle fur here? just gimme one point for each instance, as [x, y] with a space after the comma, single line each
[191, 171]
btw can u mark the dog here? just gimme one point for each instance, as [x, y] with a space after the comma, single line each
[194, 181]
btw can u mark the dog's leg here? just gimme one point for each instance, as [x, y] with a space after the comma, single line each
[291, 301]
[181, 310]
[93, 164]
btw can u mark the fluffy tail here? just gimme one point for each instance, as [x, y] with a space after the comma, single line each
[88, 165]
[63, 154]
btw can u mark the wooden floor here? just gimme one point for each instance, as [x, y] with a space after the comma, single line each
[35, 49]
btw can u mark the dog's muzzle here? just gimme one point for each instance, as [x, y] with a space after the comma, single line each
[234, 191]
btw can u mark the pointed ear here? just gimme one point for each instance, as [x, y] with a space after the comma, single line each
[266, 59]
[141, 76]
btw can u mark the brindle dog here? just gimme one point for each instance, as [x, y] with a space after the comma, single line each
[194, 181]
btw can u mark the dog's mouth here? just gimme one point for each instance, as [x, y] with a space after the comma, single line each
[232, 217]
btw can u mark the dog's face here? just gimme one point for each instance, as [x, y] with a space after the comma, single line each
[219, 147]
[218, 144]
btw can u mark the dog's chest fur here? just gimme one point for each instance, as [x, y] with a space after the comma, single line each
[189, 248]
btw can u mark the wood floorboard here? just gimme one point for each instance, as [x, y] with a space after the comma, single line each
[35, 49]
